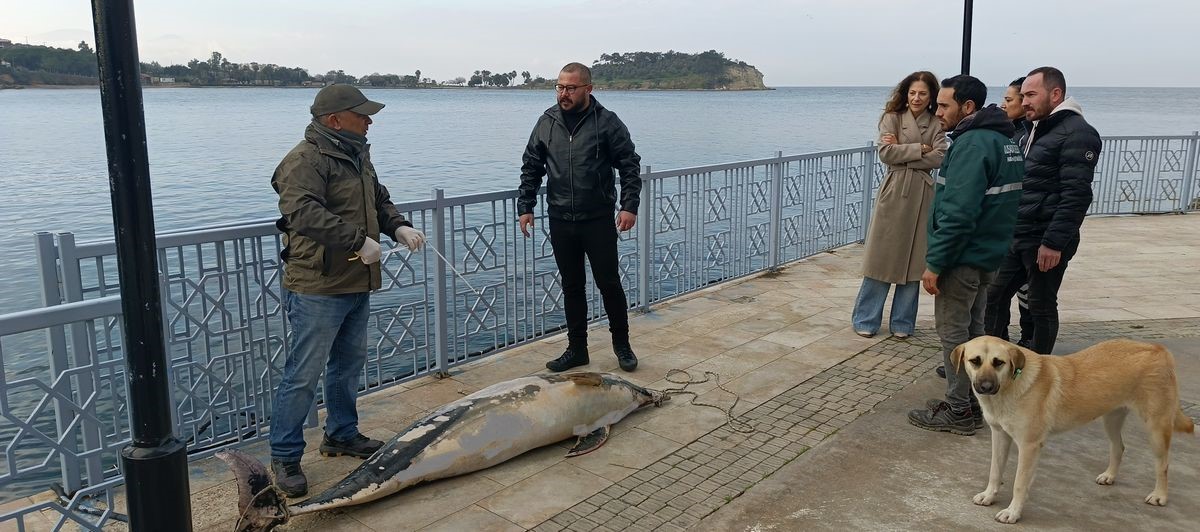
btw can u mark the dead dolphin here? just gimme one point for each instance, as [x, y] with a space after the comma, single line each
[478, 431]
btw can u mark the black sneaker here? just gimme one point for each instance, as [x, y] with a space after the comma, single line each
[572, 357]
[625, 357]
[289, 478]
[359, 446]
[942, 419]
[976, 412]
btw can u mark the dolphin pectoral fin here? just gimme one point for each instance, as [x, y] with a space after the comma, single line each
[586, 378]
[590, 441]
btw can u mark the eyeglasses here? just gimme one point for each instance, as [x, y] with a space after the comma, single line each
[569, 89]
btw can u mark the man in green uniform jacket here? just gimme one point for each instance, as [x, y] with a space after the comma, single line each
[970, 226]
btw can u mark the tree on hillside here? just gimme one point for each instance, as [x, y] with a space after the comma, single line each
[83, 47]
[525, 74]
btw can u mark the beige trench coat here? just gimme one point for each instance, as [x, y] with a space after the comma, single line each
[897, 236]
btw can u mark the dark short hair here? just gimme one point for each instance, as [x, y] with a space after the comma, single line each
[1017, 83]
[585, 73]
[966, 88]
[1052, 78]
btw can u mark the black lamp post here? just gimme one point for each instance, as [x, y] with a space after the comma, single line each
[968, 7]
[155, 464]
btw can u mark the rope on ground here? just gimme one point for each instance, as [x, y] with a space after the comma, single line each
[734, 423]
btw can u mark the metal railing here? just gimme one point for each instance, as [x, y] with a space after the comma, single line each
[62, 393]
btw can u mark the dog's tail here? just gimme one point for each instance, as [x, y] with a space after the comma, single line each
[1183, 423]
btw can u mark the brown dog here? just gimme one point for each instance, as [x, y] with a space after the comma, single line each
[1026, 397]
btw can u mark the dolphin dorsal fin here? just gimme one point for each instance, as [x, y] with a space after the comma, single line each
[586, 379]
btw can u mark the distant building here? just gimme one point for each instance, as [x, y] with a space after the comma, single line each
[5, 43]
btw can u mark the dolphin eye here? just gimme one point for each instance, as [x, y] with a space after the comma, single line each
[996, 363]
[976, 361]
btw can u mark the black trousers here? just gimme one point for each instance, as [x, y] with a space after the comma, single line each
[1020, 267]
[597, 240]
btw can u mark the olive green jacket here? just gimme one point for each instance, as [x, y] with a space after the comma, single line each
[330, 203]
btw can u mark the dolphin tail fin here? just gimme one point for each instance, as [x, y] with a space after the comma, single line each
[590, 442]
[261, 506]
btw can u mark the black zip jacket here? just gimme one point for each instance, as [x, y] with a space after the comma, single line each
[1061, 152]
[580, 165]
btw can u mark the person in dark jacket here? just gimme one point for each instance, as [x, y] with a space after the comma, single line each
[1016, 112]
[578, 144]
[332, 209]
[970, 226]
[1061, 151]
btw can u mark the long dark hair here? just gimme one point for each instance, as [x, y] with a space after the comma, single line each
[898, 102]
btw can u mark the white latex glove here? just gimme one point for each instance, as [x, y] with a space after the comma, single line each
[410, 238]
[370, 252]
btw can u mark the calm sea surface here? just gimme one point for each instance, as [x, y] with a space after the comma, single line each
[212, 151]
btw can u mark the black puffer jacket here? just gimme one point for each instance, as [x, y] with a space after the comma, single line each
[1061, 152]
[580, 164]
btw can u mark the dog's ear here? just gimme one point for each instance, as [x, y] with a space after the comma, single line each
[1017, 358]
[956, 356]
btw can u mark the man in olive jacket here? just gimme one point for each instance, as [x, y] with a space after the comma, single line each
[578, 144]
[333, 209]
[1061, 152]
[970, 225]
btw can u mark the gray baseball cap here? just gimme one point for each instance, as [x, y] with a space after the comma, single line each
[339, 97]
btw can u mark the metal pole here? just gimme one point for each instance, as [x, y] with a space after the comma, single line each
[155, 463]
[442, 307]
[776, 228]
[968, 6]
[645, 230]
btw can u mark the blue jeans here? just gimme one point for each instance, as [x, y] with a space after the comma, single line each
[328, 333]
[868, 307]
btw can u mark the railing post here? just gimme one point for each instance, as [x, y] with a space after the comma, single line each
[645, 234]
[776, 227]
[441, 306]
[56, 337]
[868, 159]
[83, 341]
[1191, 160]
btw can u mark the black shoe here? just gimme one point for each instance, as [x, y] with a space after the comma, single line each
[625, 357]
[976, 412]
[289, 478]
[942, 419]
[572, 357]
[941, 371]
[359, 446]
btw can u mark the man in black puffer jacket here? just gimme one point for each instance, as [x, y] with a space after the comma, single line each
[1061, 151]
[578, 144]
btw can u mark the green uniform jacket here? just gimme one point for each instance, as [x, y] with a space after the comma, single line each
[975, 196]
[330, 204]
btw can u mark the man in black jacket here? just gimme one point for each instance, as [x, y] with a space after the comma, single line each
[1061, 151]
[578, 144]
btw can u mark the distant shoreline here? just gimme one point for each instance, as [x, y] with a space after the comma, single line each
[431, 87]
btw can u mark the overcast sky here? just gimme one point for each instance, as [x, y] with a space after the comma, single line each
[793, 42]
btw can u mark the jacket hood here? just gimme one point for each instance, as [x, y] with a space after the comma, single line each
[990, 117]
[1069, 104]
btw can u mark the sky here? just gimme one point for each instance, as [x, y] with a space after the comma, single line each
[1123, 43]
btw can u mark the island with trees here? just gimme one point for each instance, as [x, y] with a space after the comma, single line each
[26, 65]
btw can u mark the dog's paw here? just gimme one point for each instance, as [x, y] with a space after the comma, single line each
[1156, 499]
[1106, 478]
[1008, 516]
[984, 498]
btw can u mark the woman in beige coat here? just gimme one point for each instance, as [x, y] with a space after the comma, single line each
[911, 144]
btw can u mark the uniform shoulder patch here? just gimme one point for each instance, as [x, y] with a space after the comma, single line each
[1090, 155]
